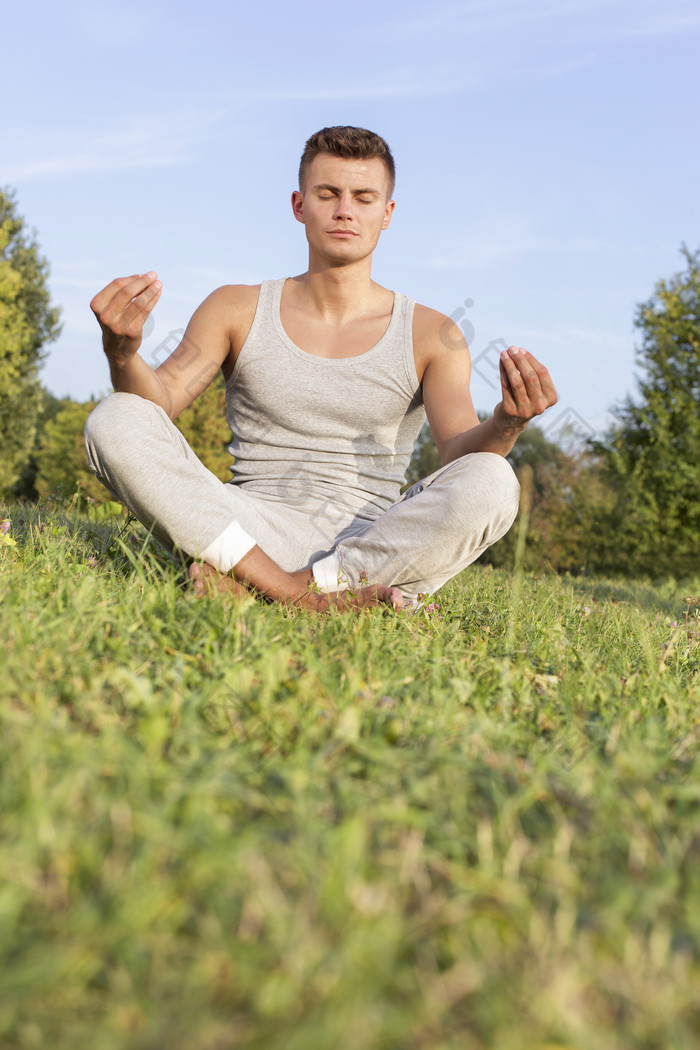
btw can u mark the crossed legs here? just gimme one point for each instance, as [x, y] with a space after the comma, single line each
[435, 530]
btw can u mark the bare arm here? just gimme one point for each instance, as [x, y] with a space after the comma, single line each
[443, 355]
[218, 329]
[121, 310]
[263, 577]
[221, 322]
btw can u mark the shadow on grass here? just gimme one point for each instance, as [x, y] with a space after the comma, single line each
[62, 515]
[107, 533]
[114, 538]
[651, 596]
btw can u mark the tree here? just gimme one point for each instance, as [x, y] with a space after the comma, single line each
[551, 480]
[61, 462]
[27, 323]
[425, 459]
[62, 467]
[651, 454]
[49, 407]
[204, 426]
[554, 477]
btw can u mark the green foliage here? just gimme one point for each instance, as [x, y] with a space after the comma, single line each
[62, 461]
[58, 465]
[425, 459]
[630, 503]
[566, 498]
[50, 406]
[27, 323]
[651, 454]
[546, 474]
[234, 825]
[204, 426]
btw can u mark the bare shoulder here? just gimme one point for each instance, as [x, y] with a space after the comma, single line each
[429, 323]
[434, 335]
[231, 309]
[233, 299]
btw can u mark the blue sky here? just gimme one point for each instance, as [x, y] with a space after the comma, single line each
[547, 157]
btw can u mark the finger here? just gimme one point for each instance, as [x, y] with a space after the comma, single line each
[106, 294]
[529, 383]
[525, 358]
[138, 292]
[394, 598]
[139, 310]
[517, 361]
[377, 594]
[121, 291]
[521, 399]
[130, 306]
[528, 364]
[546, 384]
[512, 383]
[506, 388]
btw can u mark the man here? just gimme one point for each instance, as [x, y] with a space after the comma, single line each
[329, 379]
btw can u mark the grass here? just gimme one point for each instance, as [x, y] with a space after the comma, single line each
[228, 825]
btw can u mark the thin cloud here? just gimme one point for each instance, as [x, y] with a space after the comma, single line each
[666, 23]
[487, 15]
[400, 89]
[588, 22]
[84, 164]
[145, 144]
[482, 250]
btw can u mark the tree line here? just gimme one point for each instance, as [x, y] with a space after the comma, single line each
[627, 503]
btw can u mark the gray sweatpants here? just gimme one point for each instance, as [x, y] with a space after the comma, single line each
[437, 528]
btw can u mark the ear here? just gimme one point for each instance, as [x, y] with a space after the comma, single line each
[388, 212]
[298, 206]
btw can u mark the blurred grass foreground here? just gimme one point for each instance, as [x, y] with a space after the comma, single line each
[229, 825]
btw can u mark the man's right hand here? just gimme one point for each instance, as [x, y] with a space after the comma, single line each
[121, 310]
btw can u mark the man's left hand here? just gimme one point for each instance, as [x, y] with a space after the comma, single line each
[527, 389]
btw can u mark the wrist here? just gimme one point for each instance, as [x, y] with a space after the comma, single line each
[120, 364]
[508, 426]
[120, 350]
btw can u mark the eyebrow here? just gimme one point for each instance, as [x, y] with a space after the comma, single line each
[335, 189]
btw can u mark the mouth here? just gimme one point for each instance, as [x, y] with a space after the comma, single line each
[342, 233]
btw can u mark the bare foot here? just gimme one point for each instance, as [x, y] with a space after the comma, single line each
[206, 580]
[344, 601]
[354, 601]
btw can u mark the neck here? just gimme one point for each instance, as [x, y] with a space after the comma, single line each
[337, 291]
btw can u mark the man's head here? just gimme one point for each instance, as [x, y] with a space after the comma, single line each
[347, 142]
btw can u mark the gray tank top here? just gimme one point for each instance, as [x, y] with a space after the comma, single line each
[320, 433]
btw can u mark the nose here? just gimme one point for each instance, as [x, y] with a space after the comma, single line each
[343, 207]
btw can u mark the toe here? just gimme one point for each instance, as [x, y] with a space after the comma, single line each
[396, 597]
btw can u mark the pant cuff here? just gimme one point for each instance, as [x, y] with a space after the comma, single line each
[327, 574]
[228, 548]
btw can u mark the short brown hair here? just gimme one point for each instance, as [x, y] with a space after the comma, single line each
[346, 141]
